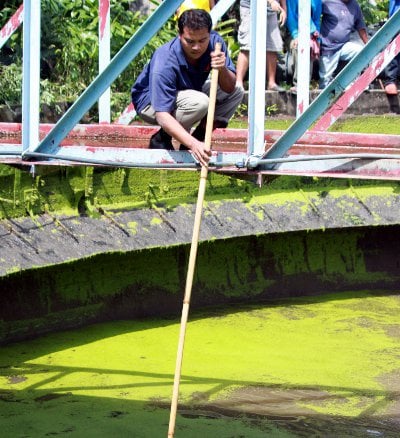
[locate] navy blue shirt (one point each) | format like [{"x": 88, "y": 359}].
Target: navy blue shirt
[
  {"x": 339, "y": 19},
  {"x": 168, "y": 72}
]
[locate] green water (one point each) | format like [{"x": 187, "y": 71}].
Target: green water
[{"x": 321, "y": 366}]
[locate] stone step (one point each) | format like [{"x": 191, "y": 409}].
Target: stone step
[{"x": 284, "y": 103}]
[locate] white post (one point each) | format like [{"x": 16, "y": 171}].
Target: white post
[
  {"x": 31, "y": 75},
  {"x": 104, "y": 58},
  {"x": 303, "y": 58},
  {"x": 256, "y": 107}
]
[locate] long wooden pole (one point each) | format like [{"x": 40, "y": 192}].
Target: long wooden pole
[{"x": 193, "y": 251}]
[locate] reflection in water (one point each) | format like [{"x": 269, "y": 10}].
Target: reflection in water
[
  {"x": 261, "y": 406},
  {"x": 323, "y": 366}
]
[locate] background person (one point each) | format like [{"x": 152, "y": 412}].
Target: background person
[
  {"x": 274, "y": 40},
  {"x": 207, "y": 5},
  {"x": 172, "y": 90},
  {"x": 339, "y": 19},
  {"x": 292, "y": 25},
  {"x": 392, "y": 71}
]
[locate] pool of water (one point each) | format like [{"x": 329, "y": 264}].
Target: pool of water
[{"x": 317, "y": 366}]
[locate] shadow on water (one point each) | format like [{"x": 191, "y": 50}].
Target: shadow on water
[
  {"x": 247, "y": 412},
  {"x": 47, "y": 408}
]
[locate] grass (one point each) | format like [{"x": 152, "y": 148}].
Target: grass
[{"x": 384, "y": 124}]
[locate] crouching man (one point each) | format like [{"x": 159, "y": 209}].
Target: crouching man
[{"x": 172, "y": 90}]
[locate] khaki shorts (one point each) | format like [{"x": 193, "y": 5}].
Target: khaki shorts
[{"x": 274, "y": 38}]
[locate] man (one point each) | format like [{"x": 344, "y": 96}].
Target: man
[
  {"x": 392, "y": 71},
  {"x": 273, "y": 40},
  {"x": 172, "y": 89},
  {"x": 339, "y": 19},
  {"x": 207, "y": 5},
  {"x": 293, "y": 27}
]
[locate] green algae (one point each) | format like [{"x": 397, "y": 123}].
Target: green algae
[
  {"x": 156, "y": 221},
  {"x": 147, "y": 282},
  {"x": 117, "y": 377},
  {"x": 83, "y": 190}
]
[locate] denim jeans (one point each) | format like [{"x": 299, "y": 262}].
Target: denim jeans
[
  {"x": 392, "y": 71},
  {"x": 328, "y": 63}
]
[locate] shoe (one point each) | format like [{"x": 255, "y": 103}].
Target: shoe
[
  {"x": 219, "y": 124},
  {"x": 161, "y": 140},
  {"x": 276, "y": 88}
]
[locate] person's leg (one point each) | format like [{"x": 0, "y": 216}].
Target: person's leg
[
  {"x": 242, "y": 67},
  {"x": 191, "y": 107},
  {"x": 159, "y": 140},
  {"x": 349, "y": 50},
  {"x": 293, "y": 52},
  {"x": 274, "y": 45},
  {"x": 225, "y": 105},
  {"x": 244, "y": 43},
  {"x": 327, "y": 67},
  {"x": 272, "y": 60},
  {"x": 392, "y": 71}
]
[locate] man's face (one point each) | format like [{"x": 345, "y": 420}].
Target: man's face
[{"x": 194, "y": 43}]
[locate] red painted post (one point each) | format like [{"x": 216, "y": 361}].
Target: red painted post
[
  {"x": 11, "y": 26},
  {"x": 358, "y": 86}
]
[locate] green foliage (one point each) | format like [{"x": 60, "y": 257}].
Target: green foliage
[
  {"x": 69, "y": 49},
  {"x": 11, "y": 84},
  {"x": 374, "y": 13}
]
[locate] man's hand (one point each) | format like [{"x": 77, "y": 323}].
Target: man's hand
[
  {"x": 218, "y": 60},
  {"x": 199, "y": 152}
]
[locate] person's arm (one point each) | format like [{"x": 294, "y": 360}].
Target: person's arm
[
  {"x": 226, "y": 77},
  {"x": 276, "y": 7},
  {"x": 316, "y": 13},
  {"x": 292, "y": 18},
  {"x": 172, "y": 127},
  {"x": 363, "y": 35},
  {"x": 212, "y": 4}
]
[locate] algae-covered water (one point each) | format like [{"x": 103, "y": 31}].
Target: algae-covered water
[{"x": 322, "y": 366}]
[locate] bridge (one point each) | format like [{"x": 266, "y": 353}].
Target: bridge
[{"x": 306, "y": 148}]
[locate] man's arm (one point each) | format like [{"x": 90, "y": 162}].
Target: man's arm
[
  {"x": 363, "y": 35},
  {"x": 172, "y": 127},
  {"x": 226, "y": 77}
]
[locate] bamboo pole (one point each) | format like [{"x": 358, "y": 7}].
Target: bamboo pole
[{"x": 193, "y": 251}]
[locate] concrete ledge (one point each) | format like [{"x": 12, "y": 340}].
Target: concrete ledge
[{"x": 284, "y": 103}]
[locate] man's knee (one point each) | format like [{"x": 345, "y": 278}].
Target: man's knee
[
  {"x": 237, "y": 95},
  {"x": 202, "y": 103}
]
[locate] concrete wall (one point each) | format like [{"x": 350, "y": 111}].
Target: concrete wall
[{"x": 370, "y": 102}]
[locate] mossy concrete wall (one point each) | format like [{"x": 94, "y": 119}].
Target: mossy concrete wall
[
  {"x": 88, "y": 244},
  {"x": 151, "y": 282}
]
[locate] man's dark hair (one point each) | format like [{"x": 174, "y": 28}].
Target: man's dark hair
[{"x": 194, "y": 19}]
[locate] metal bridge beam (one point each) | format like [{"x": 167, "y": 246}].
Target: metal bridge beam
[
  {"x": 100, "y": 84},
  {"x": 333, "y": 91}
]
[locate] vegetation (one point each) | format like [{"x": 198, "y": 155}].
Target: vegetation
[{"x": 69, "y": 47}]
